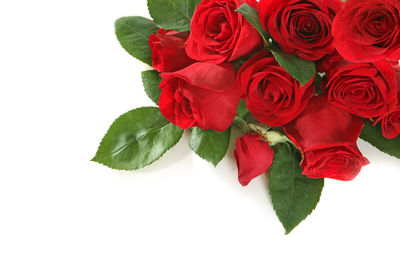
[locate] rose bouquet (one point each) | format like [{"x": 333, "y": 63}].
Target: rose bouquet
[{"x": 302, "y": 80}]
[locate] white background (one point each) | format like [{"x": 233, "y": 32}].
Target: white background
[{"x": 64, "y": 79}]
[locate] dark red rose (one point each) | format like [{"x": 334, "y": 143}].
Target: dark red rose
[
  {"x": 368, "y": 30},
  {"x": 300, "y": 27},
  {"x": 168, "y": 50},
  {"x": 202, "y": 94},
  {"x": 253, "y": 157},
  {"x": 272, "y": 95},
  {"x": 219, "y": 34},
  {"x": 364, "y": 89},
  {"x": 327, "y": 136}
]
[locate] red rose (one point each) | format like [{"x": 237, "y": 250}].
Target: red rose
[
  {"x": 300, "y": 27},
  {"x": 272, "y": 95},
  {"x": 202, "y": 94},
  {"x": 219, "y": 34},
  {"x": 253, "y": 157},
  {"x": 364, "y": 89},
  {"x": 368, "y": 30},
  {"x": 168, "y": 50},
  {"x": 391, "y": 124},
  {"x": 327, "y": 135},
  {"x": 342, "y": 162},
  {"x": 325, "y": 64}
]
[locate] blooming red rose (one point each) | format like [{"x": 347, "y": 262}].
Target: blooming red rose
[
  {"x": 202, "y": 94},
  {"x": 342, "y": 162},
  {"x": 368, "y": 30},
  {"x": 253, "y": 157},
  {"x": 272, "y": 95},
  {"x": 219, "y": 34},
  {"x": 327, "y": 135},
  {"x": 364, "y": 89},
  {"x": 300, "y": 27},
  {"x": 168, "y": 50}
]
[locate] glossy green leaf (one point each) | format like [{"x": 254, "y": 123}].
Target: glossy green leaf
[
  {"x": 294, "y": 196},
  {"x": 151, "y": 81},
  {"x": 137, "y": 139},
  {"x": 300, "y": 69},
  {"x": 252, "y": 17},
  {"x": 373, "y": 135},
  {"x": 172, "y": 14},
  {"x": 210, "y": 145},
  {"x": 133, "y": 34}
]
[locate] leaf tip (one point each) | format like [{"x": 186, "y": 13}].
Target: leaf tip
[
  {"x": 241, "y": 7},
  {"x": 288, "y": 230},
  {"x": 215, "y": 164}
]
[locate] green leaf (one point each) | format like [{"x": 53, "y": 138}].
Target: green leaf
[
  {"x": 373, "y": 135},
  {"x": 151, "y": 81},
  {"x": 137, "y": 139},
  {"x": 294, "y": 196},
  {"x": 172, "y": 14},
  {"x": 242, "y": 109},
  {"x": 240, "y": 123},
  {"x": 133, "y": 34},
  {"x": 210, "y": 145},
  {"x": 196, "y": 3},
  {"x": 300, "y": 69},
  {"x": 252, "y": 17}
]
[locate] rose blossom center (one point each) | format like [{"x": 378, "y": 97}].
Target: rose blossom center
[
  {"x": 275, "y": 90},
  {"x": 377, "y": 26},
  {"x": 306, "y": 26},
  {"x": 219, "y": 28},
  {"x": 361, "y": 91},
  {"x": 306, "y": 21}
]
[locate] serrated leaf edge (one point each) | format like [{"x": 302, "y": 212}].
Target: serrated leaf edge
[{"x": 287, "y": 231}]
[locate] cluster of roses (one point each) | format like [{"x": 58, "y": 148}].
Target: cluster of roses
[{"x": 356, "y": 46}]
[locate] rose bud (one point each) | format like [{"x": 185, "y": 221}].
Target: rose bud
[
  {"x": 272, "y": 95},
  {"x": 367, "y": 31},
  {"x": 219, "y": 33},
  {"x": 253, "y": 157},
  {"x": 168, "y": 50},
  {"x": 202, "y": 94},
  {"x": 327, "y": 136},
  {"x": 364, "y": 89},
  {"x": 300, "y": 27}
]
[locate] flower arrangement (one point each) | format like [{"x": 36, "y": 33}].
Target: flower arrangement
[{"x": 302, "y": 80}]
